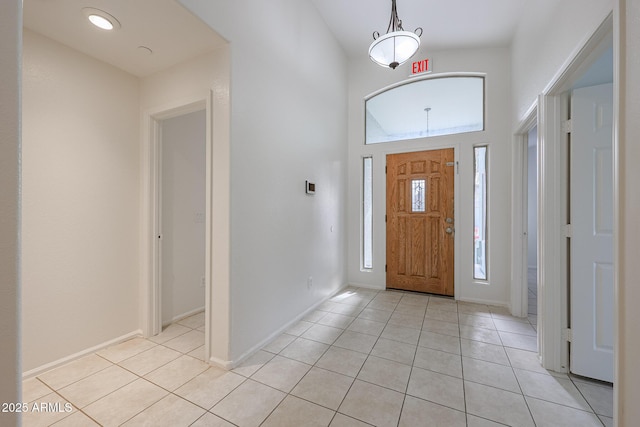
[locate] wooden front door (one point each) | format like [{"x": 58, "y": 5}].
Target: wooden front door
[{"x": 420, "y": 221}]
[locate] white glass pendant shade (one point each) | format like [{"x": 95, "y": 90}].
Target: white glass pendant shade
[{"x": 394, "y": 48}]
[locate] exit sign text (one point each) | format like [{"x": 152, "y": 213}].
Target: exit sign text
[{"x": 420, "y": 67}]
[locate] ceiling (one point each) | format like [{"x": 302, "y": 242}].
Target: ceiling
[
  {"x": 164, "y": 26},
  {"x": 175, "y": 35}
]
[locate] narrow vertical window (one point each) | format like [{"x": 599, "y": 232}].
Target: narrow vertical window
[
  {"x": 367, "y": 210},
  {"x": 418, "y": 195},
  {"x": 480, "y": 212}
]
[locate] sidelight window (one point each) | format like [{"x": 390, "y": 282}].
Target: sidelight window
[{"x": 480, "y": 235}]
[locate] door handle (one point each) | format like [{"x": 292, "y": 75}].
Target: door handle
[{"x": 449, "y": 230}]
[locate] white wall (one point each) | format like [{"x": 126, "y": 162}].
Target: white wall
[
  {"x": 183, "y": 215},
  {"x": 365, "y": 77},
  {"x": 532, "y": 200},
  {"x": 80, "y": 202},
  {"x": 627, "y": 382},
  {"x": 288, "y": 124},
  {"x": 549, "y": 32},
  {"x": 10, "y": 369}
]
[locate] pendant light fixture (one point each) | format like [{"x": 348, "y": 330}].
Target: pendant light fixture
[{"x": 397, "y": 46}]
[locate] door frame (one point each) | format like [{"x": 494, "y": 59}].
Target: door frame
[
  {"x": 552, "y": 108},
  {"x": 456, "y": 203}
]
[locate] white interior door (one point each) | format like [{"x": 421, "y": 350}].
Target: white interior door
[{"x": 592, "y": 294}]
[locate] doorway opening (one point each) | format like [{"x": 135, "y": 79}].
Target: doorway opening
[
  {"x": 181, "y": 208},
  {"x": 531, "y": 162}
]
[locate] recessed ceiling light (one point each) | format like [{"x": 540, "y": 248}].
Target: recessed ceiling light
[{"x": 101, "y": 19}]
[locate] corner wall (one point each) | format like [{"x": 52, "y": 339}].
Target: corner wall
[
  {"x": 288, "y": 125},
  {"x": 80, "y": 202},
  {"x": 10, "y": 65}
]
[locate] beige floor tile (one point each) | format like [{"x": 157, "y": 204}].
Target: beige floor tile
[
  {"x": 323, "y": 387},
  {"x": 77, "y": 419},
  {"x": 281, "y": 373},
  {"x": 341, "y": 420},
  {"x": 415, "y": 299},
  {"x": 336, "y": 320},
  {"x": 438, "y": 361},
  {"x": 438, "y": 388},
  {"x": 364, "y": 326},
  {"x": 123, "y": 404},
  {"x": 210, "y": 387},
  {"x": 515, "y": 327},
  {"x": 440, "y": 327},
  {"x": 177, "y": 372},
  {"x": 249, "y": 404},
  {"x": 96, "y": 386},
  {"x": 33, "y": 388},
  {"x": 477, "y": 321},
  {"x": 385, "y": 373},
  {"x": 401, "y": 333},
  {"x": 480, "y": 334},
  {"x": 170, "y": 411},
  {"x": 373, "y": 404},
  {"x": 551, "y": 389},
  {"x": 356, "y": 341},
  {"x": 253, "y": 363},
  {"x": 444, "y": 304},
  {"x": 547, "y": 414},
  {"x": 314, "y": 316},
  {"x": 394, "y": 350},
  {"x": 210, "y": 420},
  {"x": 193, "y": 322},
  {"x": 473, "y": 421},
  {"x": 299, "y": 328},
  {"x": 74, "y": 371},
  {"x": 607, "y": 421},
  {"x": 406, "y": 320},
  {"x": 491, "y": 374},
  {"x": 279, "y": 343},
  {"x": 294, "y": 412},
  {"x": 342, "y": 361},
  {"x": 599, "y": 397},
  {"x": 47, "y": 410},
  {"x": 375, "y": 315},
  {"x": 410, "y": 310},
  {"x": 348, "y": 310},
  {"x": 440, "y": 342},
  {"x": 186, "y": 342},
  {"x": 416, "y": 412},
  {"x": 169, "y": 333},
  {"x": 147, "y": 361},
  {"x": 322, "y": 333},
  {"x": 444, "y": 316},
  {"x": 524, "y": 359},
  {"x": 125, "y": 350},
  {"x": 484, "y": 351},
  {"x": 198, "y": 353},
  {"x": 474, "y": 308},
  {"x": 383, "y": 305},
  {"x": 304, "y": 350},
  {"x": 497, "y": 405}
]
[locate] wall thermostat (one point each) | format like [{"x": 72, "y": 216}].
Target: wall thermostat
[{"x": 310, "y": 187}]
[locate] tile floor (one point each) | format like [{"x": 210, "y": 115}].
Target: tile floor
[{"x": 363, "y": 358}]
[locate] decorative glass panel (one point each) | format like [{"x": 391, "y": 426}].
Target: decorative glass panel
[
  {"x": 424, "y": 108},
  {"x": 367, "y": 209},
  {"x": 418, "y": 188},
  {"x": 480, "y": 213}
]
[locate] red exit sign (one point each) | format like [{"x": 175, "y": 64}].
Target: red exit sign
[{"x": 419, "y": 67}]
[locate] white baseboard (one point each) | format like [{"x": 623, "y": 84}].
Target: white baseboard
[
  {"x": 486, "y": 302},
  {"x": 231, "y": 364},
  {"x": 52, "y": 365},
  {"x": 367, "y": 286},
  {"x": 179, "y": 317}
]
